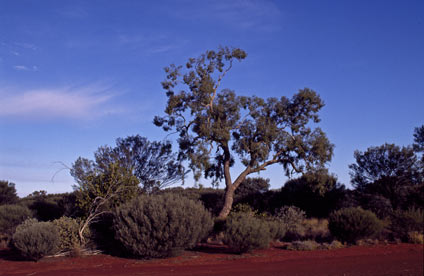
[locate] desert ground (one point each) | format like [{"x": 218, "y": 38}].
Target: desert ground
[{"x": 392, "y": 259}]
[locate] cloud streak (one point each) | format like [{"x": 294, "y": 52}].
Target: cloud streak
[
  {"x": 259, "y": 15},
  {"x": 76, "y": 103},
  {"x": 25, "y": 68}
]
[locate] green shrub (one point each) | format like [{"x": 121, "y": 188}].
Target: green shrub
[
  {"x": 11, "y": 216},
  {"x": 403, "y": 222},
  {"x": 354, "y": 223},
  {"x": 36, "y": 239},
  {"x": 277, "y": 229},
  {"x": 292, "y": 217},
  {"x": 243, "y": 208},
  {"x": 68, "y": 230},
  {"x": 244, "y": 232},
  {"x": 161, "y": 225}
]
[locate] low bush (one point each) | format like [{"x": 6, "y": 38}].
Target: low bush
[
  {"x": 36, "y": 239},
  {"x": 334, "y": 245},
  {"x": 244, "y": 232},
  {"x": 304, "y": 245},
  {"x": 403, "y": 222},
  {"x": 354, "y": 223},
  {"x": 367, "y": 242},
  {"x": 415, "y": 237},
  {"x": 308, "y": 245},
  {"x": 10, "y": 217},
  {"x": 292, "y": 217},
  {"x": 277, "y": 229},
  {"x": 316, "y": 229},
  {"x": 161, "y": 225},
  {"x": 68, "y": 230}
]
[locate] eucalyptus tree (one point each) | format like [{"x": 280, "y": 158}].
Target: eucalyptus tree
[{"x": 217, "y": 127}]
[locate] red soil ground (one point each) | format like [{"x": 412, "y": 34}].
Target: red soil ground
[{"x": 400, "y": 259}]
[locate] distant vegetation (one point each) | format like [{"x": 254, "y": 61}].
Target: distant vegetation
[{"x": 123, "y": 204}]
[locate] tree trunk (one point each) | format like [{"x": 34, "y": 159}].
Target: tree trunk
[
  {"x": 228, "y": 202},
  {"x": 230, "y": 189}
]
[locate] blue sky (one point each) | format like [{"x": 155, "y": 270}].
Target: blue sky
[{"x": 75, "y": 75}]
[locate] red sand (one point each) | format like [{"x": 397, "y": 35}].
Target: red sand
[{"x": 401, "y": 259}]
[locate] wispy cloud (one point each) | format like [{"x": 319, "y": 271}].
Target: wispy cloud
[
  {"x": 26, "y": 45},
  {"x": 152, "y": 44},
  {"x": 260, "y": 15},
  {"x": 16, "y": 49},
  {"x": 25, "y": 68},
  {"x": 68, "y": 102}
]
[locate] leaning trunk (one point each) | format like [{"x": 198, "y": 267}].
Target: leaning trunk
[{"x": 228, "y": 202}]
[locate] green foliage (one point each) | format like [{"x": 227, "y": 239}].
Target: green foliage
[
  {"x": 7, "y": 193},
  {"x": 67, "y": 229},
  {"x": 403, "y": 222},
  {"x": 11, "y": 216},
  {"x": 419, "y": 139},
  {"x": 110, "y": 185},
  {"x": 211, "y": 198},
  {"x": 292, "y": 218},
  {"x": 244, "y": 232},
  {"x": 277, "y": 229},
  {"x": 388, "y": 171},
  {"x": 252, "y": 186},
  {"x": 47, "y": 207},
  {"x": 353, "y": 224},
  {"x": 159, "y": 225},
  {"x": 243, "y": 208},
  {"x": 36, "y": 239},
  {"x": 317, "y": 193},
  {"x": 215, "y": 127}
]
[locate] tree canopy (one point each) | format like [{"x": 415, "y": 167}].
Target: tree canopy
[
  {"x": 217, "y": 128},
  {"x": 388, "y": 171},
  {"x": 7, "y": 192},
  {"x": 419, "y": 139},
  {"x": 153, "y": 164},
  {"x": 384, "y": 162}
]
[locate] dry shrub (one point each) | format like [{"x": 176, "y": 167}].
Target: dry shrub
[
  {"x": 68, "y": 229},
  {"x": 415, "y": 237},
  {"x": 292, "y": 218},
  {"x": 304, "y": 245},
  {"x": 403, "y": 222},
  {"x": 35, "y": 240},
  {"x": 10, "y": 217},
  {"x": 316, "y": 229},
  {"x": 161, "y": 225},
  {"x": 244, "y": 232},
  {"x": 353, "y": 224}
]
